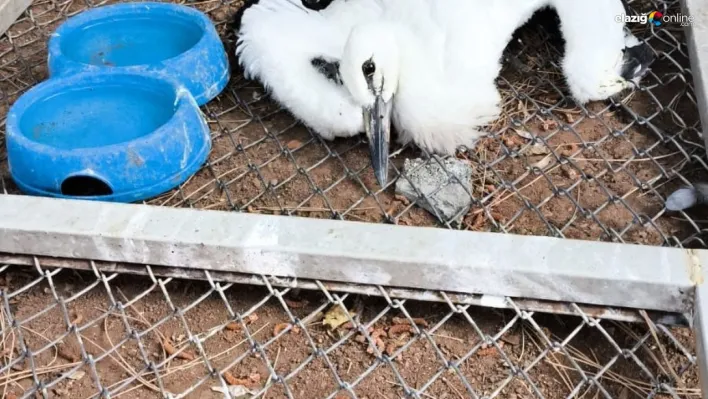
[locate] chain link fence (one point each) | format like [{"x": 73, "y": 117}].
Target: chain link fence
[
  {"x": 87, "y": 334},
  {"x": 547, "y": 167}
]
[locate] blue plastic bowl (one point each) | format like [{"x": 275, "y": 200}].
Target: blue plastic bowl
[
  {"x": 172, "y": 40},
  {"x": 117, "y": 136}
]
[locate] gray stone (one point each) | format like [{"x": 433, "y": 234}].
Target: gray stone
[{"x": 433, "y": 178}]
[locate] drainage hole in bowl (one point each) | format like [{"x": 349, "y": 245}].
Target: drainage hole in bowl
[{"x": 84, "y": 186}]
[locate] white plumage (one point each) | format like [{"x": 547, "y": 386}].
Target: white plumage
[
  {"x": 602, "y": 58},
  {"x": 439, "y": 64},
  {"x": 277, "y": 42},
  {"x": 425, "y": 65}
]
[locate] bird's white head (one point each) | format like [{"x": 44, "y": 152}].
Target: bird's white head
[
  {"x": 370, "y": 63},
  {"x": 369, "y": 68}
]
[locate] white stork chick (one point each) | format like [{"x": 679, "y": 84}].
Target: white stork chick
[
  {"x": 293, "y": 52},
  {"x": 443, "y": 78},
  {"x": 428, "y": 69},
  {"x": 602, "y": 57},
  {"x": 420, "y": 64},
  {"x": 424, "y": 65}
]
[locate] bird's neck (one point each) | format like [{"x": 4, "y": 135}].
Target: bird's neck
[{"x": 428, "y": 78}]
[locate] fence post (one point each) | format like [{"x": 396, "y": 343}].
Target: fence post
[{"x": 697, "y": 42}]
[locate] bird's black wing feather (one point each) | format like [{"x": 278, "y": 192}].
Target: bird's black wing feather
[
  {"x": 316, "y": 5},
  {"x": 330, "y": 69},
  {"x": 637, "y": 60}
]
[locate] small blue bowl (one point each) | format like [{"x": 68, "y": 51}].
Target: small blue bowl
[
  {"x": 118, "y": 136},
  {"x": 175, "y": 41}
]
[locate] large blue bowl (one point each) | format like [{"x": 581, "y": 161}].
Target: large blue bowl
[
  {"x": 117, "y": 136},
  {"x": 172, "y": 40}
]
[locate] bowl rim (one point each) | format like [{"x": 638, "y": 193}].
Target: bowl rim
[
  {"x": 54, "y": 49},
  {"x": 183, "y": 100}
]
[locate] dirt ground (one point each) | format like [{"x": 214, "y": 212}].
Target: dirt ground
[
  {"x": 601, "y": 173},
  {"x": 153, "y": 319}
]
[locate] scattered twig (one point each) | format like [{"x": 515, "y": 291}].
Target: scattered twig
[
  {"x": 122, "y": 363},
  {"x": 561, "y": 372},
  {"x": 269, "y": 383},
  {"x": 453, "y": 388},
  {"x": 662, "y": 349},
  {"x": 419, "y": 321},
  {"x": 188, "y": 365}
]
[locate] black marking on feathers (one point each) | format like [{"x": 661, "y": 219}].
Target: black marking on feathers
[
  {"x": 329, "y": 69},
  {"x": 636, "y": 61},
  {"x": 316, "y": 5}
]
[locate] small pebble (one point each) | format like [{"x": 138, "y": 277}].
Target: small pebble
[
  {"x": 569, "y": 172},
  {"x": 293, "y": 144},
  {"x": 219, "y": 15}
]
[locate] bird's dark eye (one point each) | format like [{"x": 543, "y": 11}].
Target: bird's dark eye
[{"x": 368, "y": 68}]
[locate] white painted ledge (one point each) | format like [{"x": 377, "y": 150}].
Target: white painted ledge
[{"x": 655, "y": 278}]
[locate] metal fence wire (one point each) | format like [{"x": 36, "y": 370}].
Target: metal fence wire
[
  {"x": 91, "y": 334},
  {"x": 548, "y": 167}
]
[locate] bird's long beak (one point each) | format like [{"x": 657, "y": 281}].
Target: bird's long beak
[{"x": 378, "y": 131}]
